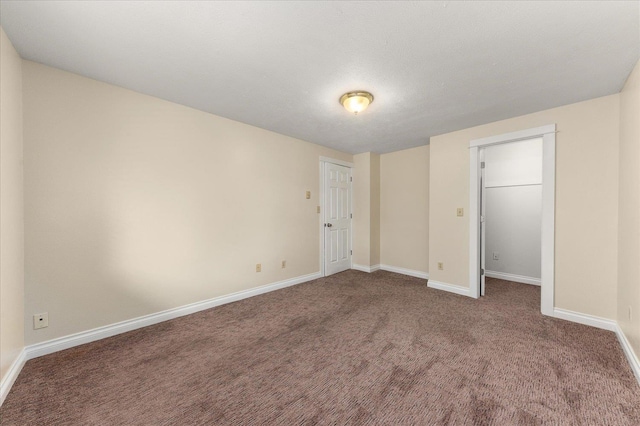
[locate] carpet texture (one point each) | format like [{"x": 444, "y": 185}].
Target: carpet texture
[{"x": 353, "y": 348}]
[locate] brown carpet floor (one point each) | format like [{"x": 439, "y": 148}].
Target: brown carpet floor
[{"x": 353, "y": 348}]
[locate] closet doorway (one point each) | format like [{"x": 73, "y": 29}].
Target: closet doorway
[
  {"x": 517, "y": 169},
  {"x": 511, "y": 206}
]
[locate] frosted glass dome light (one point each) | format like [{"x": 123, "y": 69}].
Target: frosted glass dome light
[{"x": 356, "y": 102}]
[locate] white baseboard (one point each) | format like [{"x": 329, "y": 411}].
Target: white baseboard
[
  {"x": 463, "y": 291},
  {"x": 365, "y": 268},
  {"x": 629, "y": 353},
  {"x": 397, "y": 270},
  {"x": 12, "y": 374},
  {"x": 66, "y": 342},
  {"x": 593, "y": 321},
  {"x": 404, "y": 271},
  {"x": 513, "y": 277},
  {"x": 51, "y": 346}
]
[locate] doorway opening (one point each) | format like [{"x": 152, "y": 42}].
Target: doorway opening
[
  {"x": 336, "y": 201},
  {"x": 543, "y": 140},
  {"x": 511, "y": 207}
]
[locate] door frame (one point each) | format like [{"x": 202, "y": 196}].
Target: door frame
[
  {"x": 321, "y": 198},
  {"x": 482, "y": 202},
  {"x": 547, "y": 277}
]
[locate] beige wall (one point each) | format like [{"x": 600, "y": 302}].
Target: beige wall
[
  {"x": 135, "y": 205},
  {"x": 366, "y": 209},
  {"x": 629, "y": 211},
  {"x": 586, "y": 202},
  {"x": 404, "y": 209},
  {"x": 11, "y": 207},
  {"x": 375, "y": 210},
  {"x": 362, "y": 209}
]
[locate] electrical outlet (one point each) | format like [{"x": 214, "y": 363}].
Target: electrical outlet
[
  {"x": 460, "y": 211},
  {"x": 258, "y": 267},
  {"x": 41, "y": 320},
  {"x": 308, "y": 195},
  {"x": 318, "y": 209},
  {"x": 284, "y": 264},
  {"x": 496, "y": 255},
  {"x": 440, "y": 266}
]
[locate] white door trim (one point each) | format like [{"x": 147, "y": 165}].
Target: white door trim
[
  {"x": 548, "y": 135},
  {"x": 536, "y": 132},
  {"x": 323, "y": 161},
  {"x": 321, "y": 215},
  {"x": 334, "y": 161}
]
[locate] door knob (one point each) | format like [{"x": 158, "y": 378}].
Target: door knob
[{"x": 329, "y": 225}]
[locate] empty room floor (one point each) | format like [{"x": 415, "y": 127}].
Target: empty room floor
[{"x": 352, "y": 348}]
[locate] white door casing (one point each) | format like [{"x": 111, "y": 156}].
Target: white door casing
[
  {"x": 483, "y": 230},
  {"x": 337, "y": 218},
  {"x": 547, "y": 280}
]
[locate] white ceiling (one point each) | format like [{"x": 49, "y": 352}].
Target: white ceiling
[{"x": 433, "y": 67}]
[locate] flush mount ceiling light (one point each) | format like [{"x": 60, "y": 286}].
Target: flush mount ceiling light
[{"x": 356, "y": 102}]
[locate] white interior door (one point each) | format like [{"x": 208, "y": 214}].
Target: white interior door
[
  {"x": 482, "y": 223},
  {"x": 337, "y": 218}
]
